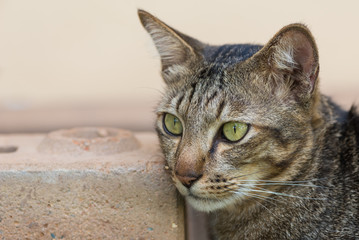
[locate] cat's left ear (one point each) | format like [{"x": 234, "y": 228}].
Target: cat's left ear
[
  {"x": 177, "y": 50},
  {"x": 292, "y": 55}
]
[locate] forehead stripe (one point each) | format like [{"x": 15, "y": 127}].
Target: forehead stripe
[
  {"x": 193, "y": 90},
  {"x": 220, "y": 108},
  {"x": 179, "y": 101},
  {"x": 211, "y": 98}
]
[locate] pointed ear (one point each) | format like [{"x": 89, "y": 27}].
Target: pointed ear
[
  {"x": 175, "y": 48},
  {"x": 293, "y": 55}
]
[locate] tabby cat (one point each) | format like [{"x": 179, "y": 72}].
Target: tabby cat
[{"x": 249, "y": 138}]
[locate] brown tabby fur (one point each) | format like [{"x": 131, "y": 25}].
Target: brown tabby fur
[{"x": 295, "y": 174}]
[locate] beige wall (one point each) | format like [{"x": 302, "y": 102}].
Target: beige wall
[{"x": 80, "y": 51}]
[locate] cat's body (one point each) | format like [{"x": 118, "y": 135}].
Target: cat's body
[{"x": 250, "y": 139}]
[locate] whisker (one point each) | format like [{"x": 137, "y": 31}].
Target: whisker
[
  {"x": 256, "y": 196},
  {"x": 274, "y": 181},
  {"x": 250, "y": 195},
  {"x": 304, "y": 183},
  {"x": 267, "y": 197},
  {"x": 282, "y": 184},
  {"x": 286, "y": 195},
  {"x": 264, "y": 198}
]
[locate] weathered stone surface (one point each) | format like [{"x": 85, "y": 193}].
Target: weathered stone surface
[{"x": 126, "y": 195}]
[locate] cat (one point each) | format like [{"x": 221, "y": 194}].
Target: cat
[{"x": 249, "y": 138}]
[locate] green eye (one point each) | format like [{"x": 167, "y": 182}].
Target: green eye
[
  {"x": 234, "y": 131},
  {"x": 172, "y": 124}
]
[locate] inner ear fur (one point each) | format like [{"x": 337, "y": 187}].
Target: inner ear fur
[
  {"x": 175, "y": 48},
  {"x": 293, "y": 52}
]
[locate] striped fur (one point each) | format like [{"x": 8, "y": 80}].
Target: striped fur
[{"x": 295, "y": 174}]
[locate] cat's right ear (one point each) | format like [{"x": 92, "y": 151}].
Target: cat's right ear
[{"x": 176, "y": 49}]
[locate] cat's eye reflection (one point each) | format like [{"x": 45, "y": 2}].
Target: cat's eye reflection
[
  {"x": 172, "y": 124},
  {"x": 234, "y": 131}
]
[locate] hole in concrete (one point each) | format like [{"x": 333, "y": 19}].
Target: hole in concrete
[
  {"x": 90, "y": 133},
  {"x": 99, "y": 141},
  {"x": 8, "y": 149}
]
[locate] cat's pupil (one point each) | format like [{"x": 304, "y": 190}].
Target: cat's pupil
[
  {"x": 175, "y": 120},
  {"x": 234, "y": 129}
]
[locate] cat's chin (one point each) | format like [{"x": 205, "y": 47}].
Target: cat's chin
[{"x": 210, "y": 205}]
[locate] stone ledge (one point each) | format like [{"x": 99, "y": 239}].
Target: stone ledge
[{"x": 48, "y": 195}]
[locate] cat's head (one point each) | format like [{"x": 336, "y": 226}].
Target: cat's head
[{"x": 234, "y": 117}]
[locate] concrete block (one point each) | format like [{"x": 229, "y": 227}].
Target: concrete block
[{"x": 86, "y": 183}]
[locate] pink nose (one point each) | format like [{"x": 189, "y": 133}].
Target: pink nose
[{"x": 188, "y": 180}]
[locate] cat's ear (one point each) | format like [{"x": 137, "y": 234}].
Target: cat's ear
[
  {"x": 292, "y": 55},
  {"x": 176, "y": 49}
]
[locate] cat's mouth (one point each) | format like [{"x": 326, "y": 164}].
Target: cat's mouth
[{"x": 201, "y": 199}]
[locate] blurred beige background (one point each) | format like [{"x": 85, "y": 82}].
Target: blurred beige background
[{"x": 80, "y": 62}]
